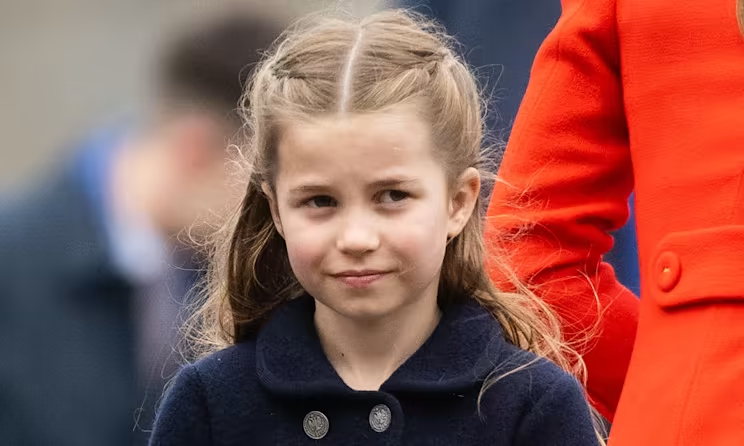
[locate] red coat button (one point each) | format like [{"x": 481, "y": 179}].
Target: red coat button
[{"x": 668, "y": 271}]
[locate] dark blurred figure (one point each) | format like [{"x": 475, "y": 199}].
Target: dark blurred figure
[
  {"x": 500, "y": 39},
  {"x": 91, "y": 276}
]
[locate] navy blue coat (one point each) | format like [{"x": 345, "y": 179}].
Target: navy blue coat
[{"x": 260, "y": 391}]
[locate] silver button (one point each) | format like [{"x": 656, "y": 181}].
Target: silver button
[
  {"x": 315, "y": 425},
  {"x": 379, "y": 418}
]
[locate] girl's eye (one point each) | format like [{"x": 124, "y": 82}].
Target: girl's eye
[
  {"x": 321, "y": 201},
  {"x": 393, "y": 196}
]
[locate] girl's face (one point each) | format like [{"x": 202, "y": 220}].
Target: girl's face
[{"x": 366, "y": 211}]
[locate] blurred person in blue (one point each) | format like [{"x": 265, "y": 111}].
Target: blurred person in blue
[{"x": 92, "y": 275}]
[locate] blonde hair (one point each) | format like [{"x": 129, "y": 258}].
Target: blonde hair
[{"x": 326, "y": 66}]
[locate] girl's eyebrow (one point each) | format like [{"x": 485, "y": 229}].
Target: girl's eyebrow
[
  {"x": 309, "y": 189},
  {"x": 391, "y": 182}
]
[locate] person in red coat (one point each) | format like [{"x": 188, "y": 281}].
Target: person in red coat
[{"x": 644, "y": 96}]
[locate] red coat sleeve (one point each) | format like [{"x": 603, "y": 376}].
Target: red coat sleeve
[{"x": 563, "y": 186}]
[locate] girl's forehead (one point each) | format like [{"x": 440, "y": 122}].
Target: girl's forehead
[
  {"x": 399, "y": 126},
  {"x": 356, "y": 147}
]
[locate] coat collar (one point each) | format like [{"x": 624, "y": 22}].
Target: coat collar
[{"x": 459, "y": 354}]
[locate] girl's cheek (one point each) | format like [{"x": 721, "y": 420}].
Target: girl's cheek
[{"x": 304, "y": 252}]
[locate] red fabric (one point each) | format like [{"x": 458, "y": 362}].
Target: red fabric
[{"x": 644, "y": 95}]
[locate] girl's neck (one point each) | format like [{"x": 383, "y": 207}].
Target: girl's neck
[{"x": 366, "y": 353}]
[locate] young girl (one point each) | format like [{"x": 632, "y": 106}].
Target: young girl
[{"x": 352, "y": 290}]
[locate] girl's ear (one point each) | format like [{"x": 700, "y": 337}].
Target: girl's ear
[
  {"x": 274, "y": 209},
  {"x": 462, "y": 201}
]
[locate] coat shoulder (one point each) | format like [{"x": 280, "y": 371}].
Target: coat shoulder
[
  {"x": 523, "y": 378},
  {"x": 225, "y": 370},
  {"x": 538, "y": 402}
]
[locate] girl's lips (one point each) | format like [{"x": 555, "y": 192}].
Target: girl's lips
[{"x": 359, "y": 279}]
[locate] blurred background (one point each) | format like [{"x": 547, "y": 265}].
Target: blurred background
[
  {"x": 68, "y": 65},
  {"x": 114, "y": 117}
]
